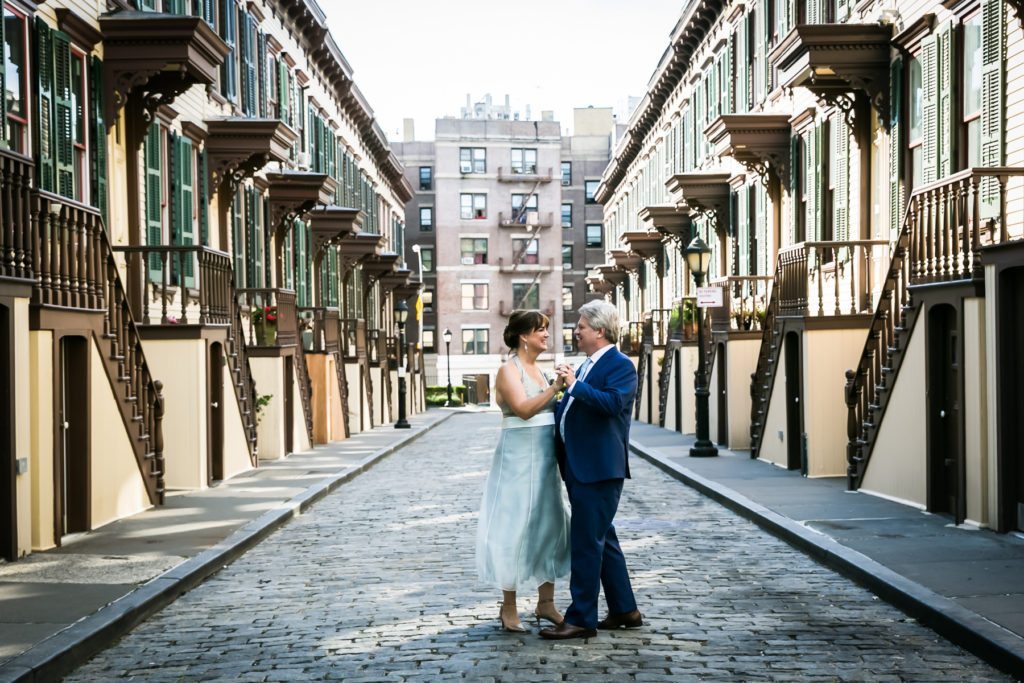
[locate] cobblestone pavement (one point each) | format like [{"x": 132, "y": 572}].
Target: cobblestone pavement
[{"x": 377, "y": 583}]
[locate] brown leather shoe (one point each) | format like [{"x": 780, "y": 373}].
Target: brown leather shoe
[
  {"x": 565, "y": 630},
  {"x": 626, "y": 620}
]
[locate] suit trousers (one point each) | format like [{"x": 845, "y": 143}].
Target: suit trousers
[{"x": 597, "y": 559}]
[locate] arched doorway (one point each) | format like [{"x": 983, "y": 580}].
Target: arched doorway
[
  {"x": 72, "y": 437},
  {"x": 945, "y": 449},
  {"x": 215, "y": 414},
  {"x": 794, "y": 403}
]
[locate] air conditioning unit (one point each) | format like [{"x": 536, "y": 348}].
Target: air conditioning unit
[
  {"x": 465, "y": 166},
  {"x": 532, "y": 218},
  {"x": 467, "y": 260}
]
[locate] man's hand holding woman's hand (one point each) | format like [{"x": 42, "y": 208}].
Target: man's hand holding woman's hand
[{"x": 566, "y": 374}]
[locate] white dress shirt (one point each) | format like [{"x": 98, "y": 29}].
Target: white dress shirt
[{"x": 585, "y": 367}]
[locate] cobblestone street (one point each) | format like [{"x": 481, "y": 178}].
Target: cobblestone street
[{"x": 377, "y": 582}]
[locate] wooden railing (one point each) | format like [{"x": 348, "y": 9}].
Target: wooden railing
[
  {"x": 272, "y": 316},
  {"x": 945, "y": 225},
  {"x": 192, "y": 283},
  {"x": 745, "y": 298},
  {"x": 75, "y": 268},
  {"x": 353, "y": 338},
  {"x": 242, "y": 379},
  {"x": 829, "y": 278},
  {"x": 17, "y": 239},
  {"x": 763, "y": 378}
]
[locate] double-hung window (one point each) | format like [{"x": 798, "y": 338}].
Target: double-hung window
[
  {"x": 590, "y": 190},
  {"x": 527, "y": 247},
  {"x": 567, "y": 215},
  {"x": 15, "y": 44},
  {"x": 593, "y": 235},
  {"x": 526, "y": 295},
  {"x": 472, "y": 206},
  {"x": 566, "y": 173},
  {"x": 524, "y": 161},
  {"x": 426, "y": 218},
  {"x": 474, "y": 340},
  {"x": 472, "y": 160},
  {"x": 426, "y": 177},
  {"x": 473, "y": 250},
  {"x": 474, "y": 296}
]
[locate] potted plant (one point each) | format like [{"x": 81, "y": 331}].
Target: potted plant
[
  {"x": 675, "y": 324},
  {"x": 761, "y": 316},
  {"x": 689, "y": 314},
  {"x": 264, "y": 322}
]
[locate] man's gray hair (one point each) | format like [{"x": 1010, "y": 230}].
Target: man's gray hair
[{"x": 601, "y": 315}]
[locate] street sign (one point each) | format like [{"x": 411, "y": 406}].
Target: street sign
[{"x": 709, "y": 297}]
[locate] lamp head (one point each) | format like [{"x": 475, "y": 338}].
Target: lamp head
[
  {"x": 447, "y": 336},
  {"x": 698, "y": 256},
  {"x": 401, "y": 312}
]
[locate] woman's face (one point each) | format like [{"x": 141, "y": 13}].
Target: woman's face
[{"x": 537, "y": 340}]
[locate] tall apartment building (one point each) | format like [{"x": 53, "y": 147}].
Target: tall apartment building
[{"x": 503, "y": 217}]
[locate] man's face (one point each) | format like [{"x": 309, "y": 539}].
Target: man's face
[{"x": 587, "y": 338}]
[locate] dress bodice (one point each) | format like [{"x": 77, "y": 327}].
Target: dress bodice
[{"x": 530, "y": 386}]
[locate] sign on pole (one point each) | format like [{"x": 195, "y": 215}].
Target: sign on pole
[{"x": 709, "y": 297}]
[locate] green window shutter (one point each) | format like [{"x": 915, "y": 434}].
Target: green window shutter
[
  {"x": 175, "y": 7},
  {"x": 993, "y": 55},
  {"x": 929, "y": 108},
  {"x": 202, "y": 183},
  {"x": 267, "y": 257},
  {"x": 743, "y": 231},
  {"x": 759, "y": 223},
  {"x": 895, "y": 149},
  {"x": 814, "y": 11},
  {"x": 810, "y": 184},
  {"x": 63, "y": 115},
  {"x": 154, "y": 199},
  {"x": 284, "y": 90},
  {"x": 742, "y": 72},
  {"x": 206, "y": 7},
  {"x": 840, "y": 151},
  {"x": 147, "y": 5},
  {"x": 727, "y": 80},
  {"x": 759, "y": 19},
  {"x": 98, "y": 146},
  {"x": 794, "y": 185},
  {"x": 187, "y": 204},
  {"x": 238, "y": 241},
  {"x": 248, "y": 63},
  {"x": 947, "y": 102},
  {"x": 333, "y": 275},
  {"x": 261, "y": 71},
  {"x": 229, "y": 33},
  {"x": 46, "y": 154}
]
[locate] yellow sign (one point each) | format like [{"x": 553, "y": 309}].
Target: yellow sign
[{"x": 419, "y": 307}]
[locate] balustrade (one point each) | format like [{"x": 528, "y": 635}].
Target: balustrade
[
  {"x": 829, "y": 278},
  {"x": 16, "y": 233},
  {"x": 192, "y": 284},
  {"x": 272, "y": 316}
]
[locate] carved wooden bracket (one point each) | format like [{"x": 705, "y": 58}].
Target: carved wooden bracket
[
  {"x": 238, "y": 147},
  {"x": 291, "y": 194},
  {"x": 760, "y": 142},
  {"x": 707, "y": 194},
  {"x": 670, "y": 220}
]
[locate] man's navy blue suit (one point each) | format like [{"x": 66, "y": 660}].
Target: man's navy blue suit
[{"x": 592, "y": 457}]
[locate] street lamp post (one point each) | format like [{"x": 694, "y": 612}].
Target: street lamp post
[
  {"x": 447, "y": 336},
  {"x": 401, "y": 315},
  {"x": 698, "y": 258}
]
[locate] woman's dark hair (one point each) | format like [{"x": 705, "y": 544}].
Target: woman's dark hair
[{"x": 523, "y": 322}]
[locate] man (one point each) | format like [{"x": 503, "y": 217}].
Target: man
[{"x": 591, "y": 445}]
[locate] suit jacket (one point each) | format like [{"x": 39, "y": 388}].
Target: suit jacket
[{"x": 596, "y": 443}]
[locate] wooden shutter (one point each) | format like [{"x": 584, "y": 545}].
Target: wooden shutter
[
  {"x": 929, "y": 108},
  {"x": 46, "y": 168},
  {"x": 759, "y": 224},
  {"x": 840, "y": 155},
  {"x": 206, "y": 7},
  {"x": 760, "y": 18},
  {"x": 261, "y": 71},
  {"x": 203, "y": 187},
  {"x": 154, "y": 199},
  {"x": 727, "y": 79},
  {"x": 742, "y": 72},
  {"x": 947, "y": 102},
  {"x": 98, "y": 133},
  {"x": 229, "y": 32},
  {"x": 248, "y": 63},
  {"x": 284, "y": 90},
  {"x": 186, "y": 204},
  {"x": 811, "y": 184},
  {"x": 253, "y": 250},
  {"x": 895, "y": 149},
  {"x": 175, "y": 6},
  {"x": 993, "y": 55},
  {"x": 795, "y": 186},
  {"x": 238, "y": 241},
  {"x": 743, "y": 230},
  {"x": 63, "y": 113}
]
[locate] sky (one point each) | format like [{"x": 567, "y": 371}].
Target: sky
[{"x": 420, "y": 58}]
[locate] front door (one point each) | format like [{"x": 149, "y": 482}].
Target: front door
[
  {"x": 794, "y": 404},
  {"x": 723, "y": 398},
  {"x": 216, "y": 413},
  {"x": 1011, "y": 397},
  {"x": 945, "y": 454},
  {"x": 8, "y": 499},
  {"x": 72, "y": 500},
  {"x": 289, "y": 411}
]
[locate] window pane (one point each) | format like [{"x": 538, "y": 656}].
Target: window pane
[
  {"x": 594, "y": 235},
  {"x": 972, "y": 66},
  {"x": 568, "y": 340},
  {"x": 525, "y": 295},
  {"x": 916, "y": 99},
  {"x": 566, "y": 215},
  {"x": 427, "y": 257},
  {"x": 566, "y": 173},
  {"x": 567, "y": 256},
  {"x": 566, "y": 299},
  {"x": 591, "y": 189},
  {"x": 428, "y": 340},
  {"x": 426, "y": 217}
]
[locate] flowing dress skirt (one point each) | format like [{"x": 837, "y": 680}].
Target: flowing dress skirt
[{"x": 523, "y": 533}]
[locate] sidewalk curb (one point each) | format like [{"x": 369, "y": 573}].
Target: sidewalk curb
[
  {"x": 989, "y": 641},
  {"x": 64, "y": 651}
]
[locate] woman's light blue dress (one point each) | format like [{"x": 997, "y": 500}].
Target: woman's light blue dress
[{"x": 523, "y": 535}]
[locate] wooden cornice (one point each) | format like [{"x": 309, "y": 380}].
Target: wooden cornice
[
  {"x": 669, "y": 220},
  {"x": 152, "y": 58},
  {"x": 627, "y": 261},
  {"x": 647, "y": 244},
  {"x": 706, "y": 194},
  {"x": 81, "y": 32},
  {"x": 376, "y": 267},
  {"x": 761, "y": 142},
  {"x": 397, "y": 279},
  {"x": 612, "y": 274},
  {"x": 239, "y": 146},
  {"x": 329, "y": 224}
]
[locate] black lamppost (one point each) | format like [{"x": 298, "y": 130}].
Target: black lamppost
[
  {"x": 698, "y": 258},
  {"x": 447, "y": 336},
  {"x": 401, "y": 315}
]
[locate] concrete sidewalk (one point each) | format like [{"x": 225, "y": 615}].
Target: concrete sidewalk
[
  {"x": 967, "y": 584},
  {"x": 59, "y": 607}
]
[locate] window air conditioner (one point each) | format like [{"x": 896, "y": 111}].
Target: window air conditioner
[
  {"x": 467, "y": 260},
  {"x": 466, "y": 167}
]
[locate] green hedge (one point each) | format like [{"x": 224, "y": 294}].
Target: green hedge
[{"x": 437, "y": 395}]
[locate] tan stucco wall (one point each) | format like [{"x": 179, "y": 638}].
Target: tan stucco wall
[
  {"x": 742, "y": 360},
  {"x": 975, "y": 412},
  {"x": 236, "y": 450},
  {"x": 40, "y": 451},
  {"x": 327, "y": 424},
  {"x": 689, "y": 358},
  {"x": 377, "y": 383},
  {"x": 827, "y": 354},
  {"x": 22, "y": 422},
  {"x": 713, "y": 375},
  {"x": 300, "y": 438},
  {"x": 356, "y": 399},
  {"x": 181, "y": 365},
  {"x": 773, "y": 447},
  {"x": 670, "y": 404},
  {"x": 898, "y": 466},
  {"x": 268, "y": 374},
  {"x": 117, "y": 487},
  {"x": 991, "y": 388}
]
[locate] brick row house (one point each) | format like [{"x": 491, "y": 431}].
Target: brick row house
[
  {"x": 857, "y": 171},
  {"x": 200, "y": 254}
]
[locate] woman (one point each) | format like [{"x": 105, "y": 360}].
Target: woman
[{"x": 523, "y": 536}]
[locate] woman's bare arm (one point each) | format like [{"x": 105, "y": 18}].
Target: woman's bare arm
[{"x": 510, "y": 386}]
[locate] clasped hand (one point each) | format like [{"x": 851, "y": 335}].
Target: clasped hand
[{"x": 565, "y": 375}]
